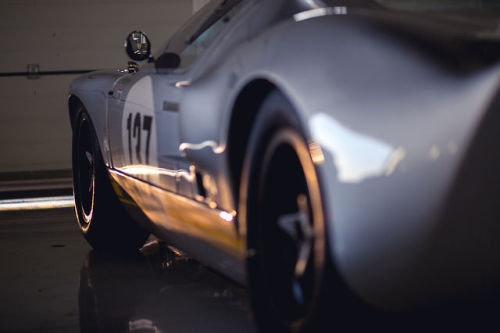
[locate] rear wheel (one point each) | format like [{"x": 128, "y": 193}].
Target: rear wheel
[
  {"x": 100, "y": 216},
  {"x": 280, "y": 198}
]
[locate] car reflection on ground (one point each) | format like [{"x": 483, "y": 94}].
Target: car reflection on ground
[
  {"x": 158, "y": 291},
  {"x": 161, "y": 290}
]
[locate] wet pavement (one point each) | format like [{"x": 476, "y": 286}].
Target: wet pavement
[{"x": 51, "y": 281}]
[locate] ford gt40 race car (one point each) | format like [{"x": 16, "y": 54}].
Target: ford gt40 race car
[{"x": 305, "y": 148}]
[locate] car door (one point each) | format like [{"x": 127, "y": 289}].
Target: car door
[{"x": 143, "y": 109}]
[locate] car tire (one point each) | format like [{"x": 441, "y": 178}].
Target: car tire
[
  {"x": 101, "y": 217},
  {"x": 281, "y": 205}
]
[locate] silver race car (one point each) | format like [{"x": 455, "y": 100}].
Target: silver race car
[{"x": 305, "y": 148}]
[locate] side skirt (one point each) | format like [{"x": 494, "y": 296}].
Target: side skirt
[{"x": 206, "y": 234}]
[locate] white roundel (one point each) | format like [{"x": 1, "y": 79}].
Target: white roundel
[{"x": 138, "y": 125}]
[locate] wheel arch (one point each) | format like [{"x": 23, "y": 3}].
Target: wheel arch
[
  {"x": 244, "y": 112},
  {"x": 74, "y": 104},
  {"x": 92, "y": 103}
]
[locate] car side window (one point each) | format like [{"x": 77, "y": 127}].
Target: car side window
[
  {"x": 201, "y": 43},
  {"x": 194, "y": 39}
]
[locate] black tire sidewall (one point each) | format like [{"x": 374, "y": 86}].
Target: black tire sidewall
[
  {"x": 276, "y": 114},
  {"x": 110, "y": 229}
]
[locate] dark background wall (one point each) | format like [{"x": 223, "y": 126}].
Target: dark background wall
[{"x": 64, "y": 35}]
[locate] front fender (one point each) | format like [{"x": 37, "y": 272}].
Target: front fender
[{"x": 92, "y": 91}]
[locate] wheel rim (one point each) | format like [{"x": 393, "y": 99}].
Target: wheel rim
[
  {"x": 85, "y": 172},
  {"x": 290, "y": 219}
]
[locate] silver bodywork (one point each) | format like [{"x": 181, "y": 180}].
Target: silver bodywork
[{"x": 395, "y": 135}]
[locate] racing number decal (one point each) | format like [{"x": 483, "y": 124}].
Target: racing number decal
[
  {"x": 146, "y": 126},
  {"x": 138, "y": 128},
  {"x": 134, "y": 131}
]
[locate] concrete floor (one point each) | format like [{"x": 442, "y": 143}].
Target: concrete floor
[{"x": 51, "y": 281}]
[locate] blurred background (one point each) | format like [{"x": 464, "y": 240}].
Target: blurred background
[{"x": 45, "y": 45}]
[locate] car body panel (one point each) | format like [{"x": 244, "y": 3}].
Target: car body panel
[
  {"x": 204, "y": 233},
  {"x": 92, "y": 91},
  {"x": 391, "y": 125},
  {"x": 156, "y": 158},
  {"x": 391, "y": 154}
]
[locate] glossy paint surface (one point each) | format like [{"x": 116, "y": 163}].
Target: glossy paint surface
[
  {"x": 394, "y": 115},
  {"x": 204, "y": 233}
]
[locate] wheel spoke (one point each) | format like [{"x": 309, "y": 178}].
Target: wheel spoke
[
  {"x": 307, "y": 233},
  {"x": 298, "y": 293},
  {"x": 90, "y": 173},
  {"x": 90, "y": 158},
  {"x": 288, "y": 224},
  {"x": 298, "y": 227}
]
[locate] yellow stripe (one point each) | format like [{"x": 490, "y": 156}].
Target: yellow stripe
[{"x": 128, "y": 202}]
